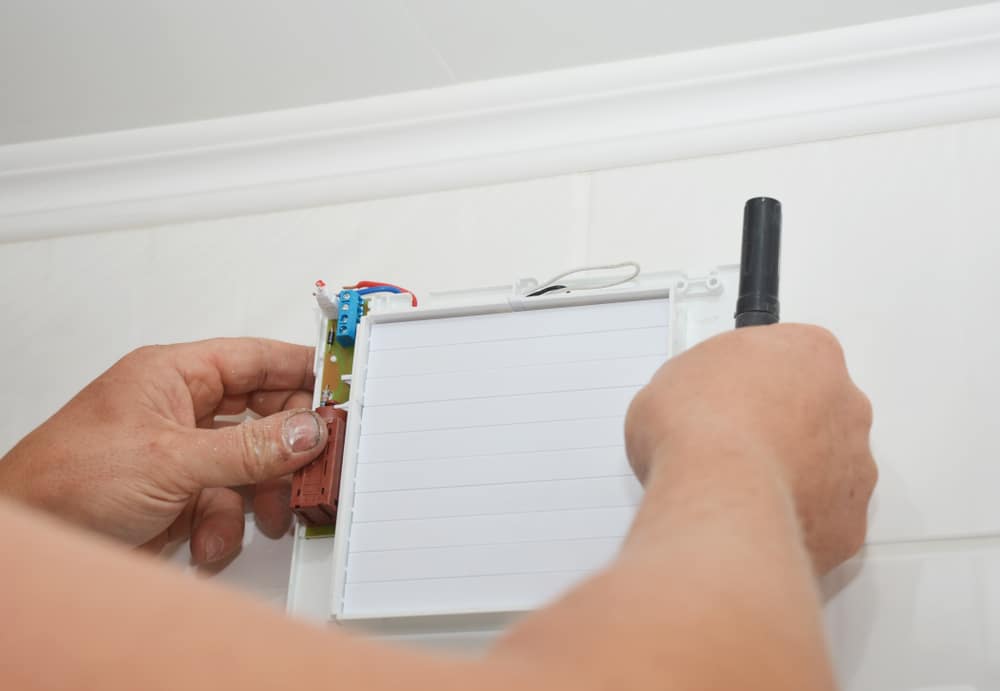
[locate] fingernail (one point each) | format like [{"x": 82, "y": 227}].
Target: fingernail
[
  {"x": 301, "y": 432},
  {"x": 213, "y": 548}
]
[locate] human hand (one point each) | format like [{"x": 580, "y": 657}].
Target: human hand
[
  {"x": 780, "y": 393},
  {"x": 135, "y": 456}
]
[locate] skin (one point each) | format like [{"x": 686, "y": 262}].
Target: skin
[
  {"x": 135, "y": 456},
  {"x": 757, "y": 480}
]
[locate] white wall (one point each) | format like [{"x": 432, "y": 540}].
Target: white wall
[{"x": 891, "y": 240}]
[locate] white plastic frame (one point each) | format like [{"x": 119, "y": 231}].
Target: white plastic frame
[{"x": 701, "y": 304}]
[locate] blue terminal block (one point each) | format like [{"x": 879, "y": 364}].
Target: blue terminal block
[{"x": 349, "y": 311}]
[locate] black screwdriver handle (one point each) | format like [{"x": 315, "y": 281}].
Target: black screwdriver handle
[{"x": 760, "y": 261}]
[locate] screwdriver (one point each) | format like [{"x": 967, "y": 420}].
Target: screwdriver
[{"x": 760, "y": 261}]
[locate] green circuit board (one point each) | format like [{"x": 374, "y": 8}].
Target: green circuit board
[{"x": 338, "y": 360}]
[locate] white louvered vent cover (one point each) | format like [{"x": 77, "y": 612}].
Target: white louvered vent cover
[{"x": 491, "y": 472}]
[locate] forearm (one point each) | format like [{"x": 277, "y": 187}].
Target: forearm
[
  {"x": 82, "y": 613},
  {"x": 712, "y": 589}
]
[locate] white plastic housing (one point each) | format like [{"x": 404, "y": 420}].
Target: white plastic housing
[{"x": 484, "y": 467}]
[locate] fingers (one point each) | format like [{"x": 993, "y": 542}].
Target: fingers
[
  {"x": 264, "y": 403},
  {"x": 225, "y": 367},
  {"x": 248, "y": 453},
  {"x": 271, "y": 507},
  {"x": 217, "y": 528}
]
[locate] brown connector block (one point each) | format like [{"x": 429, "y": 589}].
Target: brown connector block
[{"x": 316, "y": 487}]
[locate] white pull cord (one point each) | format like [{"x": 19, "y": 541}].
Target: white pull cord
[{"x": 560, "y": 284}]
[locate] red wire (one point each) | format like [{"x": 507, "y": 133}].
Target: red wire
[{"x": 379, "y": 284}]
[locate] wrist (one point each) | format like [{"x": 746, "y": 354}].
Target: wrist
[
  {"x": 12, "y": 484},
  {"x": 29, "y": 483},
  {"x": 722, "y": 460},
  {"x": 740, "y": 487}
]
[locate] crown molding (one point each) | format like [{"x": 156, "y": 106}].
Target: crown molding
[{"x": 918, "y": 71}]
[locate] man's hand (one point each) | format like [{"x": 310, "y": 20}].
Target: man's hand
[
  {"x": 713, "y": 587},
  {"x": 135, "y": 456},
  {"x": 780, "y": 394}
]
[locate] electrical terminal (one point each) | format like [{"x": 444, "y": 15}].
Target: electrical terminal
[{"x": 349, "y": 311}]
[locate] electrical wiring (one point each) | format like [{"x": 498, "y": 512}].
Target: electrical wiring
[
  {"x": 546, "y": 291},
  {"x": 559, "y": 282},
  {"x": 368, "y": 287}
]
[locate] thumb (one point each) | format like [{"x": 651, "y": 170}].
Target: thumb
[{"x": 252, "y": 451}]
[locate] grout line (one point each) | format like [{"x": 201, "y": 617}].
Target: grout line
[{"x": 933, "y": 545}]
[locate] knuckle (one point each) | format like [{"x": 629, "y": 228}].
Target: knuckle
[
  {"x": 636, "y": 431},
  {"x": 635, "y": 407},
  {"x": 866, "y": 409},
  {"x": 823, "y": 340},
  {"x": 640, "y": 467},
  {"x": 146, "y": 352},
  {"x": 254, "y": 447},
  {"x": 864, "y": 402},
  {"x": 638, "y": 413},
  {"x": 162, "y": 451},
  {"x": 144, "y": 356},
  {"x": 872, "y": 476},
  {"x": 814, "y": 341}
]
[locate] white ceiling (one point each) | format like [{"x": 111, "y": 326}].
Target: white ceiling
[{"x": 69, "y": 68}]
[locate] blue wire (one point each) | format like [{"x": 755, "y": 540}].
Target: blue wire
[{"x": 378, "y": 289}]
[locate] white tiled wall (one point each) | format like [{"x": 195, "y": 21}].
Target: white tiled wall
[
  {"x": 916, "y": 617},
  {"x": 891, "y": 240}
]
